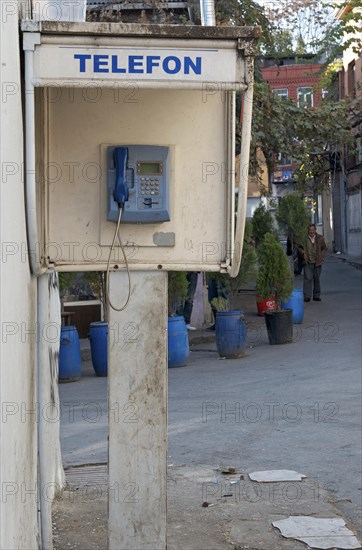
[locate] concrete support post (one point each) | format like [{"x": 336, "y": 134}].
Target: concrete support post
[{"x": 137, "y": 374}]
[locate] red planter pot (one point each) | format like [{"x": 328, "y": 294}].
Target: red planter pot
[{"x": 265, "y": 305}]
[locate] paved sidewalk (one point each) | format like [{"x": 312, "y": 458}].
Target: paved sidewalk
[{"x": 207, "y": 510}]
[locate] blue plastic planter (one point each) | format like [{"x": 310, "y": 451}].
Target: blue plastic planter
[
  {"x": 231, "y": 334},
  {"x": 296, "y": 303},
  {"x": 70, "y": 359},
  {"x": 178, "y": 342},
  {"x": 99, "y": 347}
]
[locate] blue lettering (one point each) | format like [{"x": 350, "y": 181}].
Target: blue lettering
[
  {"x": 100, "y": 61},
  {"x": 152, "y": 61},
  {"x": 82, "y": 59},
  {"x": 135, "y": 61},
  {"x": 140, "y": 64},
  {"x": 115, "y": 68},
  {"x": 195, "y": 66},
  {"x": 171, "y": 59}
]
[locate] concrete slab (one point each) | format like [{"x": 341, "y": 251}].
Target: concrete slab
[
  {"x": 322, "y": 533},
  {"x": 271, "y": 476}
]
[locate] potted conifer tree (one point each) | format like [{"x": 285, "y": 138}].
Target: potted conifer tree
[
  {"x": 262, "y": 223},
  {"x": 178, "y": 342},
  {"x": 293, "y": 217},
  {"x": 274, "y": 278},
  {"x": 230, "y": 323}
]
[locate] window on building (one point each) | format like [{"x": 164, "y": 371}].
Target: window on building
[
  {"x": 282, "y": 93},
  {"x": 352, "y": 156},
  {"x": 351, "y": 79},
  {"x": 342, "y": 76},
  {"x": 305, "y": 97},
  {"x": 283, "y": 159},
  {"x": 325, "y": 93}
]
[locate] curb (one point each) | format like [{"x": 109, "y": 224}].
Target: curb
[
  {"x": 355, "y": 262},
  {"x": 196, "y": 339},
  {"x": 86, "y": 354}
]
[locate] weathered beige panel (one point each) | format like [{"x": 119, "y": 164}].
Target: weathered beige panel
[{"x": 82, "y": 122}]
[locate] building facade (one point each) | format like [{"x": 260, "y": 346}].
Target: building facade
[
  {"x": 298, "y": 80},
  {"x": 347, "y": 204}
]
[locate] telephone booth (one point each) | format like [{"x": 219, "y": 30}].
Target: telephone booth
[{"x": 130, "y": 169}]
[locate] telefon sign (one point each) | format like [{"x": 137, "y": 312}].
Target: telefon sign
[{"x": 158, "y": 63}]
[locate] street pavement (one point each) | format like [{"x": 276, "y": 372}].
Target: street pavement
[{"x": 294, "y": 407}]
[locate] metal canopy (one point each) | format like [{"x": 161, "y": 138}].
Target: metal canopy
[
  {"x": 133, "y": 29},
  {"x": 162, "y": 56}
]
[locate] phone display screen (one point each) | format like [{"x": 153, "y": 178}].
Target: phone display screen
[{"x": 152, "y": 168}]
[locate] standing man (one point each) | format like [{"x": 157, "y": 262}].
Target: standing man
[{"x": 313, "y": 253}]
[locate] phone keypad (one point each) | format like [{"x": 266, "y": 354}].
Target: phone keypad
[{"x": 150, "y": 185}]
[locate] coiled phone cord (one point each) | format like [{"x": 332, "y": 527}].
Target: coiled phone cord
[{"x": 116, "y": 234}]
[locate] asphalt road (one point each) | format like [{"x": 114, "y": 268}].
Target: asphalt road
[{"x": 296, "y": 406}]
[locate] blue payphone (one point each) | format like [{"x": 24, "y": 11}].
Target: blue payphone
[{"x": 138, "y": 178}]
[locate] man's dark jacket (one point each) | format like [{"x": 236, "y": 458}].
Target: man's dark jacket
[{"x": 321, "y": 250}]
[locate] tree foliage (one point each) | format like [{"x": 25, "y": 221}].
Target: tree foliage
[
  {"x": 309, "y": 136},
  {"x": 314, "y": 26},
  {"x": 247, "y": 273},
  {"x": 177, "y": 290},
  {"x": 65, "y": 279},
  {"x": 342, "y": 33},
  {"x": 91, "y": 279},
  {"x": 232, "y": 285},
  {"x": 308, "y": 20},
  {"x": 262, "y": 222},
  {"x": 294, "y": 26},
  {"x": 293, "y": 217}
]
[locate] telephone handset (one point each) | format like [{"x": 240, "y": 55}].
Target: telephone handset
[
  {"x": 121, "y": 191},
  {"x": 138, "y": 178}
]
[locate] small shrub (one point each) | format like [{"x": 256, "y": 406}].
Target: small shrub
[{"x": 177, "y": 290}]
